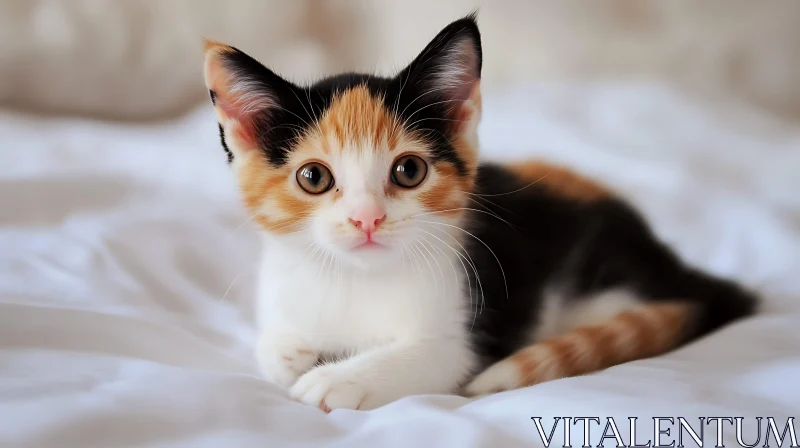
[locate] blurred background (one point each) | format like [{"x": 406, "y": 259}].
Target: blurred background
[{"x": 141, "y": 59}]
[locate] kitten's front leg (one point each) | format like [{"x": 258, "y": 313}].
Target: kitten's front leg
[
  {"x": 283, "y": 356},
  {"x": 376, "y": 377}
]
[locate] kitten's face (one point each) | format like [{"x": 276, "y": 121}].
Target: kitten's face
[{"x": 368, "y": 169}]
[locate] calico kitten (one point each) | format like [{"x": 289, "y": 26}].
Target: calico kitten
[{"x": 410, "y": 268}]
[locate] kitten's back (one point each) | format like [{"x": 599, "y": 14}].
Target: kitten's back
[{"x": 562, "y": 244}]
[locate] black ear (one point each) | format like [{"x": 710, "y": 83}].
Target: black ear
[
  {"x": 251, "y": 102},
  {"x": 447, "y": 71},
  {"x": 240, "y": 87}
]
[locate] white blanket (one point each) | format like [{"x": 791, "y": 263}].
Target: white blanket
[{"x": 126, "y": 280}]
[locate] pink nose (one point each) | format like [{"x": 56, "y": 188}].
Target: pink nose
[{"x": 368, "y": 218}]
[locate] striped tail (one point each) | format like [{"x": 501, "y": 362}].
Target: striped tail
[{"x": 649, "y": 329}]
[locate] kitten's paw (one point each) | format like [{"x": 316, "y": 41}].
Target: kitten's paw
[
  {"x": 501, "y": 376},
  {"x": 282, "y": 359},
  {"x": 329, "y": 388}
]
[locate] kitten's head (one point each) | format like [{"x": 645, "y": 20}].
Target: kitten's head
[{"x": 365, "y": 167}]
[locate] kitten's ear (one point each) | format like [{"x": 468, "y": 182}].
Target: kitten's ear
[
  {"x": 448, "y": 70},
  {"x": 245, "y": 94}
]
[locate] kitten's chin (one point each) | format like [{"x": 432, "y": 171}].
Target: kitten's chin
[{"x": 370, "y": 256}]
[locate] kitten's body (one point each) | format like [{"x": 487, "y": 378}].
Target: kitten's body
[
  {"x": 590, "y": 286},
  {"x": 391, "y": 254}
]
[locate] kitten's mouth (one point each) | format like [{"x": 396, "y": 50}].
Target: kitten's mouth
[{"x": 367, "y": 245}]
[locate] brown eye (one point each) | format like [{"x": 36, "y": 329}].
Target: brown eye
[
  {"x": 409, "y": 171},
  {"x": 314, "y": 178}
]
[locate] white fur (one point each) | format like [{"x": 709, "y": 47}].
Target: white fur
[
  {"x": 395, "y": 317},
  {"x": 503, "y": 375},
  {"x": 557, "y": 316},
  {"x": 403, "y": 327}
]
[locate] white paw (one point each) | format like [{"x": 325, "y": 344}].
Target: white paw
[
  {"x": 504, "y": 375},
  {"x": 330, "y": 387},
  {"x": 282, "y": 359}
]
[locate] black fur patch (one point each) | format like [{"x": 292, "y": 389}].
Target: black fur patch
[
  {"x": 225, "y": 145},
  {"x": 580, "y": 248}
]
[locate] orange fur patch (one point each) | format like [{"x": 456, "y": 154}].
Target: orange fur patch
[
  {"x": 355, "y": 121},
  {"x": 561, "y": 181},
  {"x": 646, "y": 331},
  {"x": 467, "y": 111},
  {"x": 260, "y": 183},
  {"x": 214, "y": 46},
  {"x": 444, "y": 195},
  {"x": 356, "y": 116}
]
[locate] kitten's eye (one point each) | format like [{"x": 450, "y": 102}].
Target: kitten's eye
[
  {"x": 315, "y": 178},
  {"x": 409, "y": 171}
]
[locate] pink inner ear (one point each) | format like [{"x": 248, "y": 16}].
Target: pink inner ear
[
  {"x": 242, "y": 103},
  {"x": 459, "y": 74},
  {"x": 237, "y": 100},
  {"x": 232, "y": 109},
  {"x": 459, "y": 80},
  {"x": 237, "y": 97},
  {"x": 238, "y": 116}
]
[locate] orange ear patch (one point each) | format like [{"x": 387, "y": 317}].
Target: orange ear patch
[
  {"x": 560, "y": 181},
  {"x": 467, "y": 111},
  {"x": 217, "y": 77},
  {"x": 212, "y": 45}
]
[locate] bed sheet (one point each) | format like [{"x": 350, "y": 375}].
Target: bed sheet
[{"x": 126, "y": 280}]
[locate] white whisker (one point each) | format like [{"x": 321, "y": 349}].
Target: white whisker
[
  {"x": 425, "y": 107},
  {"x": 245, "y": 222},
  {"x": 304, "y": 108},
  {"x": 461, "y": 259},
  {"x": 311, "y": 105},
  {"x": 430, "y": 266},
  {"x": 494, "y": 215},
  {"x": 444, "y": 254},
  {"x": 330, "y": 263},
  {"x": 441, "y": 272},
  {"x": 290, "y": 112},
  {"x": 449, "y": 260},
  {"x": 510, "y": 192},
  {"x": 414, "y": 260},
  {"x": 505, "y": 283},
  {"x": 418, "y": 97},
  {"x": 230, "y": 286},
  {"x": 494, "y": 204}
]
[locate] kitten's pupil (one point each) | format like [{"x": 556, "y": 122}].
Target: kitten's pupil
[
  {"x": 408, "y": 169},
  {"x": 314, "y": 178},
  {"x": 313, "y": 175}
]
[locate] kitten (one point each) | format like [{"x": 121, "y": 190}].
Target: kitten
[{"x": 396, "y": 264}]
